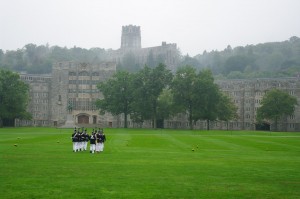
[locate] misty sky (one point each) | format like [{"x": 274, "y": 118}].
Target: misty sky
[{"x": 195, "y": 25}]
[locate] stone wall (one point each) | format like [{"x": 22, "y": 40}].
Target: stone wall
[{"x": 39, "y": 104}]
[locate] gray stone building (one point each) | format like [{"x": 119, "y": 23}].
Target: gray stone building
[
  {"x": 39, "y": 100},
  {"x": 247, "y": 96},
  {"x": 131, "y": 44},
  {"x": 71, "y": 91}
]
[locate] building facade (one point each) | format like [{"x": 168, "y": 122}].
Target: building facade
[
  {"x": 247, "y": 96},
  {"x": 39, "y": 100},
  {"x": 131, "y": 45},
  {"x": 71, "y": 90}
]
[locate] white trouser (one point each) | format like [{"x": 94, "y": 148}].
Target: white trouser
[
  {"x": 74, "y": 146},
  {"x": 101, "y": 146},
  {"x": 81, "y": 145},
  {"x": 77, "y": 146},
  {"x": 98, "y": 147},
  {"x": 85, "y": 145},
  {"x": 92, "y": 148}
]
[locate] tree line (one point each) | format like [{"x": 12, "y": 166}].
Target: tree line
[
  {"x": 274, "y": 59},
  {"x": 156, "y": 94},
  {"x": 35, "y": 59}
]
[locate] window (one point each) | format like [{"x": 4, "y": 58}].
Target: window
[
  {"x": 84, "y": 73},
  {"x": 292, "y": 117}
]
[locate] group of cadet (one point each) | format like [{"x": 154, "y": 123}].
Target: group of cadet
[{"x": 80, "y": 139}]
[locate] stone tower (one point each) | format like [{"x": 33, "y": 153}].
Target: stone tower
[{"x": 131, "y": 37}]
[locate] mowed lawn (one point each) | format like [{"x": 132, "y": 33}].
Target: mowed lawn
[{"x": 141, "y": 163}]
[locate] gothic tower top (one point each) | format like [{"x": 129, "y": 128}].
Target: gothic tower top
[{"x": 131, "y": 37}]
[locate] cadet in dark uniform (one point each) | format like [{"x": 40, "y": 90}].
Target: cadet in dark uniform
[
  {"x": 74, "y": 140},
  {"x": 98, "y": 141},
  {"x": 102, "y": 140},
  {"x": 86, "y": 139},
  {"x": 79, "y": 140},
  {"x": 92, "y": 143}
]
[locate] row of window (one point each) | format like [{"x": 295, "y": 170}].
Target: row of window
[
  {"x": 39, "y": 115},
  {"x": 37, "y": 101},
  {"x": 28, "y": 78},
  {"x": 83, "y": 91},
  {"x": 248, "y": 93},
  {"x": 40, "y": 108},
  {"x": 254, "y": 85},
  {"x": 82, "y": 104},
  {"x": 84, "y": 73},
  {"x": 40, "y": 94},
  {"x": 247, "y": 101},
  {"x": 89, "y": 82}
]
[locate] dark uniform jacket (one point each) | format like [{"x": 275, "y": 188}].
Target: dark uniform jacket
[
  {"x": 92, "y": 139},
  {"x": 74, "y": 137},
  {"x": 102, "y": 138}
]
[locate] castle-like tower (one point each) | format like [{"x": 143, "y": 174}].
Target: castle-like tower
[
  {"x": 167, "y": 54},
  {"x": 131, "y": 37}
]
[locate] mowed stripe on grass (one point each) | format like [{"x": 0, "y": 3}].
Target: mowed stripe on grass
[{"x": 141, "y": 163}]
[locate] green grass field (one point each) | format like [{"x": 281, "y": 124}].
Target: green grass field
[{"x": 140, "y": 163}]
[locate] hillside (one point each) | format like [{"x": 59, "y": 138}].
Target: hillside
[{"x": 274, "y": 59}]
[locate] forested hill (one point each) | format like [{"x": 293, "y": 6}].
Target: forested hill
[
  {"x": 39, "y": 59},
  {"x": 275, "y": 59}
]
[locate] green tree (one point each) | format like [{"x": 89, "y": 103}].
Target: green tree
[
  {"x": 208, "y": 96},
  {"x": 164, "y": 105},
  {"x": 235, "y": 75},
  {"x": 236, "y": 63},
  {"x": 185, "y": 99},
  {"x": 117, "y": 95},
  {"x": 199, "y": 97},
  {"x": 274, "y": 105},
  {"x": 187, "y": 60},
  {"x": 13, "y": 97},
  {"x": 142, "y": 103},
  {"x": 149, "y": 83}
]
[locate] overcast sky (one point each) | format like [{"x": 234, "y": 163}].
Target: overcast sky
[{"x": 195, "y": 25}]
